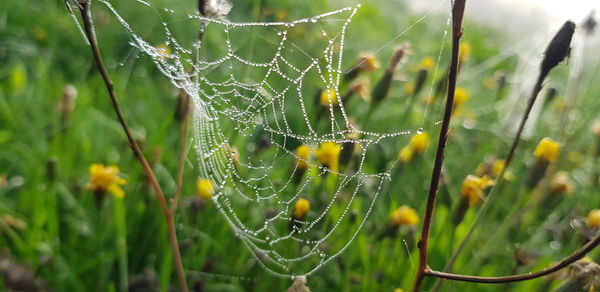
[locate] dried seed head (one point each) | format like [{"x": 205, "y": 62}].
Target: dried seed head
[
  {"x": 559, "y": 47},
  {"x": 214, "y": 8}
]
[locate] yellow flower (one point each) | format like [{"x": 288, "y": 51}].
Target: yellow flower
[
  {"x": 427, "y": 63},
  {"x": 163, "y": 52},
  {"x": 461, "y": 96},
  {"x": 106, "y": 179},
  {"x": 493, "y": 168},
  {"x": 596, "y": 128},
  {"x": 367, "y": 63},
  {"x": 404, "y": 216},
  {"x": 409, "y": 88},
  {"x": 329, "y": 97},
  {"x": 406, "y": 154},
  {"x": 593, "y": 218},
  {"x": 205, "y": 188},
  {"x": 547, "y": 150},
  {"x": 561, "y": 183},
  {"x": 463, "y": 52},
  {"x": 301, "y": 209},
  {"x": 473, "y": 187},
  {"x": 419, "y": 143},
  {"x": 303, "y": 154},
  {"x": 328, "y": 155}
]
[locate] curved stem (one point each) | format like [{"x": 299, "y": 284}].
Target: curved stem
[
  {"x": 422, "y": 270},
  {"x": 579, "y": 254},
  {"x": 84, "y": 8}
]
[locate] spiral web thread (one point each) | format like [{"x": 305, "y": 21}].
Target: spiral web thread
[{"x": 258, "y": 102}]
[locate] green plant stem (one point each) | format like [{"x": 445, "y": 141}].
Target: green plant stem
[{"x": 121, "y": 226}]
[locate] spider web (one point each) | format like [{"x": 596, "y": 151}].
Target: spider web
[{"x": 253, "y": 89}]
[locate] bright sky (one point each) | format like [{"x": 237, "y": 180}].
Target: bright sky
[{"x": 522, "y": 16}]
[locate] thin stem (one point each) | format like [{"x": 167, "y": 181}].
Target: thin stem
[
  {"x": 84, "y": 8},
  {"x": 182, "y": 155},
  {"x": 577, "y": 255},
  {"x": 500, "y": 179},
  {"x": 457, "y": 17},
  {"x": 556, "y": 52}
]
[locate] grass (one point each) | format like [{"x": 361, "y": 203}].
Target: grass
[{"x": 73, "y": 244}]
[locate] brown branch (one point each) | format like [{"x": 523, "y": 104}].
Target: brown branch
[
  {"x": 84, "y": 8},
  {"x": 579, "y": 254},
  {"x": 555, "y": 53},
  {"x": 457, "y": 17}
]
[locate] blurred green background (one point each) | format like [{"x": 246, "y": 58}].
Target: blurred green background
[{"x": 56, "y": 235}]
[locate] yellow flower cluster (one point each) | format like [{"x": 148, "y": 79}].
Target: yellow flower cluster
[
  {"x": 301, "y": 209},
  {"x": 106, "y": 179},
  {"x": 328, "y": 155},
  {"x": 593, "y": 218},
  {"x": 417, "y": 145},
  {"x": 404, "y": 216},
  {"x": 547, "y": 150},
  {"x": 473, "y": 187},
  {"x": 205, "y": 188},
  {"x": 329, "y": 97},
  {"x": 303, "y": 154}
]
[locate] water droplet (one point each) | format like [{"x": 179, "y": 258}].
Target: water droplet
[
  {"x": 313, "y": 20},
  {"x": 420, "y": 131}
]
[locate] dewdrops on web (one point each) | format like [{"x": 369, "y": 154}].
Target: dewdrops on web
[
  {"x": 404, "y": 216},
  {"x": 205, "y": 188},
  {"x": 106, "y": 179},
  {"x": 328, "y": 155},
  {"x": 593, "y": 218},
  {"x": 163, "y": 52},
  {"x": 328, "y": 97}
]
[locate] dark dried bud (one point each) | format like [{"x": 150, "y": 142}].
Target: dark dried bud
[
  {"x": 551, "y": 94},
  {"x": 51, "y": 168},
  {"x": 383, "y": 86},
  {"x": 559, "y": 47},
  {"x": 421, "y": 77},
  {"x": 590, "y": 23}
]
